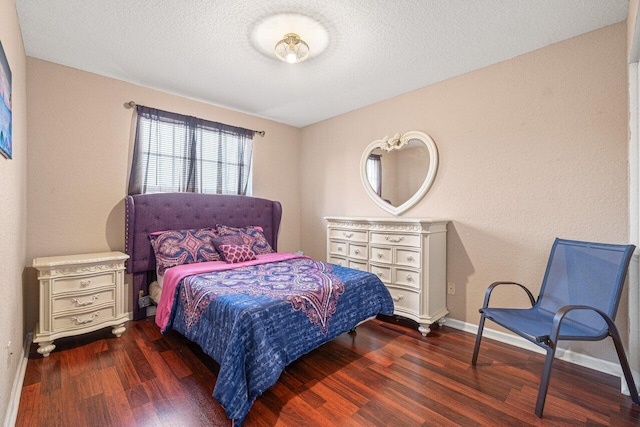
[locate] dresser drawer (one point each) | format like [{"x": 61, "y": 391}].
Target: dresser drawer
[
  {"x": 381, "y": 255},
  {"x": 338, "y": 261},
  {"x": 358, "y": 251},
  {"x": 396, "y": 239},
  {"x": 362, "y": 266},
  {"x": 338, "y": 248},
  {"x": 384, "y": 273},
  {"x": 84, "y": 282},
  {"x": 83, "y": 319},
  {"x": 349, "y": 235},
  {"x": 407, "y": 278},
  {"x": 408, "y": 258},
  {"x": 405, "y": 301},
  {"x": 79, "y": 300}
]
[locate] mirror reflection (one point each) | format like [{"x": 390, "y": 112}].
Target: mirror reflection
[
  {"x": 397, "y": 175},
  {"x": 397, "y": 171}
]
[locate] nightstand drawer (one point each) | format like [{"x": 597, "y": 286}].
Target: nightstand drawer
[
  {"x": 79, "y": 300},
  {"x": 83, "y": 319},
  {"x": 84, "y": 282}
]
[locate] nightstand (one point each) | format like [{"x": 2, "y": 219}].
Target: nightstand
[{"x": 79, "y": 294}]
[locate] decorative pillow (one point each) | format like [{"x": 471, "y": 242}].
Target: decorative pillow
[
  {"x": 231, "y": 239},
  {"x": 252, "y": 236},
  {"x": 237, "y": 253},
  {"x": 177, "y": 247}
]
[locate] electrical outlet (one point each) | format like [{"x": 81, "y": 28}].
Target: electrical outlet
[{"x": 451, "y": 288}]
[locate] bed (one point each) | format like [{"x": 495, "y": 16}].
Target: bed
[{"x": 253, "y": 317}]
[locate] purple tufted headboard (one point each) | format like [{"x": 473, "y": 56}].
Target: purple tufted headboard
[{"x": 146, "y": 213}]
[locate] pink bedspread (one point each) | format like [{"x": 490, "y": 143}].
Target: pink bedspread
[{"x": 174, "y": 275}]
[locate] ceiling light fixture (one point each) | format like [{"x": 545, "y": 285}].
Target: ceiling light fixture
[{"x": 292, "y": 49}]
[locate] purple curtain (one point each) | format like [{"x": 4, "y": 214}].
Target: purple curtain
[{"x": 177, "y": 153}]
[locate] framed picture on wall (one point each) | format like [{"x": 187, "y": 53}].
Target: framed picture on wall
[{"x": 6, "y": 148}]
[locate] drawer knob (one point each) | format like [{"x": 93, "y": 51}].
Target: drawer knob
[
  {"x": 380, "y": 254},
  {"x": 84, "y": 321},
  {"x": 85, "y": 283},
  {"x": 379, "y": 273},
  {"x": 339, "y": 248},
  {"x": 398, "y": 298},
  {"x": 78, "y": 303},
  {"x": 410, "y": 258},
  {"x": 347, "y": 235},
  {"x": 393, "y": 239},
  {"x": 409, "y": 278},
  {"x": 357, "y": 251}
]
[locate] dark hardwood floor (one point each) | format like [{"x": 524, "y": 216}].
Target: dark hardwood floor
[{"x": 383, "y": 374}]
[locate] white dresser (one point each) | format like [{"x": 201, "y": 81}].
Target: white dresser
[
  {"x": 79, "y": 294},
  {"x": 409, "y": 256}
]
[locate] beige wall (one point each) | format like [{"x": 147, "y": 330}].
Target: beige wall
[
  {"x": 531, "y": 148},
  {"x": 13, "y": 207},
  {"x": 79, "y": 161}
]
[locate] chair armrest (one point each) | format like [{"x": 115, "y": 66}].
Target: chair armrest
[
  {"x": 492, "y": 286},
  {"x": 563, "y": 311}
]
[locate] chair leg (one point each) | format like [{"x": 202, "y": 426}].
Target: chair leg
[
  {"x": 476, "y": 349},
  {"x": 544, "y": 381},
  {"x": 624, "y": 364}
]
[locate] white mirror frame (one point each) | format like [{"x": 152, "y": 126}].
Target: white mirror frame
[{"x": 396, "y": 143}]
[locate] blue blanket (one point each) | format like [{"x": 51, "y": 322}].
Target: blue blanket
[{"x": 256, "y": 320}]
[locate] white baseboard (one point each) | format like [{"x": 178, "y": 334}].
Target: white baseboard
[
  {"x": 562, "y": 354},
  {"x": 16, "y": 389}
]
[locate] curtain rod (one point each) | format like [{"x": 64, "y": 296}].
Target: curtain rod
[{"x": 132, "y": 104}]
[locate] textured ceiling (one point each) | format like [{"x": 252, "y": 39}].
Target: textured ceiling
[{"x": 377, "y": 49}]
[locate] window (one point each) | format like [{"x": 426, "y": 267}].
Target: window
[
  {"x": 374, "y": 172},
  {"x": 177, "y": 153}
]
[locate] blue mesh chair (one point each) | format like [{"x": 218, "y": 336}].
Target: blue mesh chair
[{"x": 578, "y": 301}]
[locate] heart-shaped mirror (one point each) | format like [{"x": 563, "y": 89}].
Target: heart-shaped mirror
[{"x": 397, "y": 172}]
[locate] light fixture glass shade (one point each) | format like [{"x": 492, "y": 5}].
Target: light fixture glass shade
[{"x": 292, "y": 49}]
